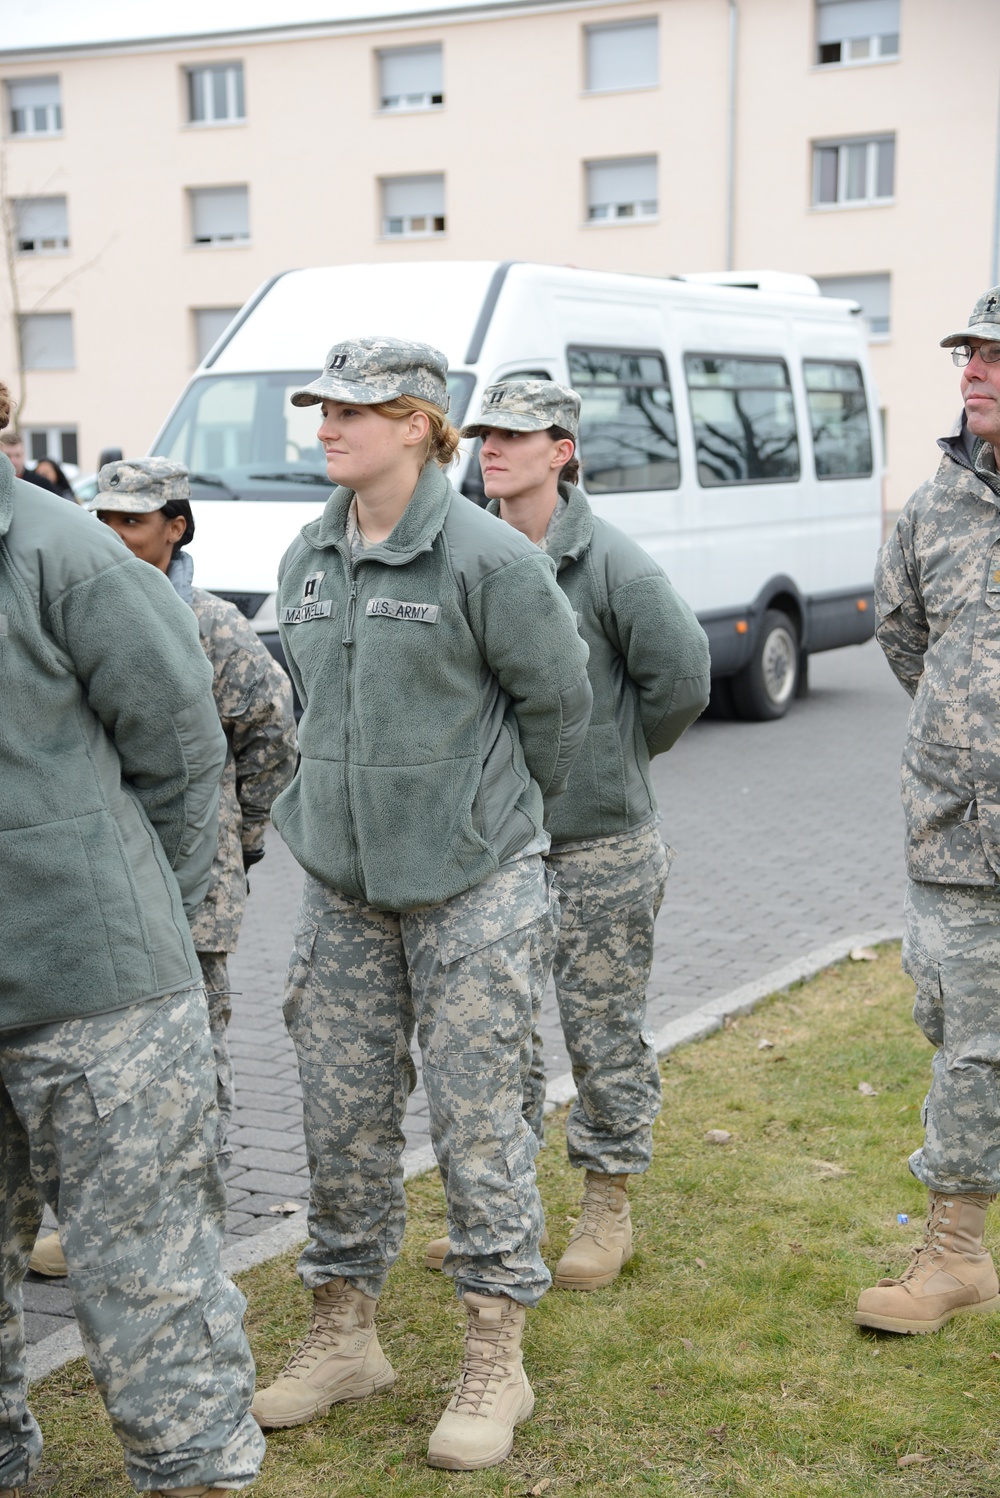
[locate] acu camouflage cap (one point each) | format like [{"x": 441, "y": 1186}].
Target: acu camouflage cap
[
  {"x": 984, "y": 321},
  {"x": 527, "y": 406},
  {"x": 137, "y": 486},
  {"x": 367, "y": 371}
]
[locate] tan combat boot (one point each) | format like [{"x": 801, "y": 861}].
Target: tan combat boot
[
  {"x": 493, "y": 1393},
  {"x": 339, "y": 1360},
  {"x": 601, "y": 1242},
  {"x": 950, "y": 1272},
  {"x": 437, "y": 1248},
  {"x": 47, "y": 1257}
]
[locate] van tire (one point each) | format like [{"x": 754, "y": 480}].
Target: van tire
[{"x": 766, "y": 686}]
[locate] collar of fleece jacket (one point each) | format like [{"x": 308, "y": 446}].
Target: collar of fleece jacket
[
  {"x": 6, "y": 493},
  {"x": 575, "y": 530},
  {"x": 418, "y": 525}
]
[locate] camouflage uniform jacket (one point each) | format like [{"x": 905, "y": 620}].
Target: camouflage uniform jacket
[
  {"x": 110, "y": 755},
  {"x": 937, "y": 593},
  {"x": 648, "y": 668},
  {"x": 254, "y": 701}
]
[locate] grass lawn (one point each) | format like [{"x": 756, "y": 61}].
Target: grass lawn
[{"x": 724, "y": 1360}]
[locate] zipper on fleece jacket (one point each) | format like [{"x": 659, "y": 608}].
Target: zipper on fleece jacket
[{"x": 347, "y": 641}]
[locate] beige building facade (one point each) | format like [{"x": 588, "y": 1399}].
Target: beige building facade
[{"x": 149, "y": 187}]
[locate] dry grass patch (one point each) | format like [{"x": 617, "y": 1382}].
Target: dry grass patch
[{"x": 724, "y": 1360}]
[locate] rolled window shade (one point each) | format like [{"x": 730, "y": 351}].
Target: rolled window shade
[
  {"x": 47, "y": 340},
  {"x": 41, "y": 218},
  {"x": 410, "y": 70},
  {"x": 837, "y": 20},
  {"x": 871, "y": 291},
  {"x": 413, "y": 197},
  {"x": 622, "y": 56},
  {"x": 629, "y": 180},
  {"x": 33, "y": 93},
  {"x": 220, "y": 213}
]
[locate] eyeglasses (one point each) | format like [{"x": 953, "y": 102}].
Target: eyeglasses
[{"x": 988, "y": 352}]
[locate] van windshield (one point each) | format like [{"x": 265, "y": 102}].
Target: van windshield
[{"x": 241, "y": 438}]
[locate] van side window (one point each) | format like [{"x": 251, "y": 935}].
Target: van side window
[
  {"x": 838, "y": 413},
  {"x": 628, "y": 432},
  {"x": 744, "y": 419}
]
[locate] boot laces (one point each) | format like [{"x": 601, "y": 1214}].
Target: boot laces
[
  {"x": 331, "y": 1319},
  {"x": 597, "y": 1206},
  {"x": 483, "y": 1365},
  {"x": 923, "y": 1259}
]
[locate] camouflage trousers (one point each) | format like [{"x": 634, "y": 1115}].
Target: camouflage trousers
[
  {"x": 951, "y": 950},
  {"x": 609, "y": 893},
  {"x": 462, "y": 975},
  {"x": 111, "y": 1121},
  {"x": 215, "y": 974}
]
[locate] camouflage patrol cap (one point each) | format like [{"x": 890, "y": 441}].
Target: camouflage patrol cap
[
  {"x": 984, "y": 321},
  {"x": 137, "y": 486},
  {"x": 527, "y": 406},
  {"x": 367, "y": 371}
]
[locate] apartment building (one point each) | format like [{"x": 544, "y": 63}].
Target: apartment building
[{"x": 149, "y": 186}]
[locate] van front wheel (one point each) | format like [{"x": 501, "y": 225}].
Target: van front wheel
[{"x": 765, "y": 688}]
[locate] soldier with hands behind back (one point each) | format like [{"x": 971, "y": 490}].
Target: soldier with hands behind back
[
  {"x": 937, "y": 592},
  {"x": 110, "y": 758},
  {"x": 649, "y": 671}
]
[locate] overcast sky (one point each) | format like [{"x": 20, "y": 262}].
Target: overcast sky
[{"x": 37, "y": 23}]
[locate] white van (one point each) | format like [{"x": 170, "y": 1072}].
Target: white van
[{"x": 731, "y": 429}]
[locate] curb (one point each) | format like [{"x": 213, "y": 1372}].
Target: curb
[{"x": 63, "y": 1346}]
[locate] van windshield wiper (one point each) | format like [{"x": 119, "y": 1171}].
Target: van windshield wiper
[
  {"x": 296, "y": 477},
  {"x": 214, "y": 482}
]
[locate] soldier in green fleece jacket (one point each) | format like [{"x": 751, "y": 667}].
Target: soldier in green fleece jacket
[
  {"x": 110, "y": 757},
  {"x": 445, "y": 693},
  {"x": 649, "y": 671}
]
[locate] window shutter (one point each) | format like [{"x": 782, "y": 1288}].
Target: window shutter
[
  {"x": 838, "y": 20},
  {"x": 209, "y": 325},
  {"x": 413, "y": 197},
  {"x": 219, "y": 213},
  {"x": 41, "y": 218},
  {"x": 33, "y": 93},
  {"x": 411, "y": 70},
  {"x": 871, "y": 291},
  {"x": 622, "y": 56},
  {"x": 629, "y": 180},
  {"x": 47, "y": 340}
]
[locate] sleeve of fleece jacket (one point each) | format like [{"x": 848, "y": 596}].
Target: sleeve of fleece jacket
[
  {"x": 527, "y": 633},
  {"x": 902, "y": 629},
  {"x": 666, "y": 656},
  {"x": 135, "y": 648}
]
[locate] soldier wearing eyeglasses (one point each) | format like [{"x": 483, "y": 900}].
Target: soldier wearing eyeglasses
[{"x": 937, "y": 591}]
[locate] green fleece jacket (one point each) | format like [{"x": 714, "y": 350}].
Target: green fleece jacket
[
  {"x": 648, "y": 668},
  {"x": 445, "y": 692},
  {"x": 110, "y": 757}
]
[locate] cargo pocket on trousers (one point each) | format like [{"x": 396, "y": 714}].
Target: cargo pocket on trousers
[
  {"x": 928, "y": 1004},
  {"x": 299, "y": 969},
  {"x": 151, "y": 1124}
]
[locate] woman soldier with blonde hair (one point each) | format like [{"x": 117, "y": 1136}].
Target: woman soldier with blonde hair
[{"x": 445, "y": 693}]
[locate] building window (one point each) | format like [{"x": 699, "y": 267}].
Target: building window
[
  {"x": 215, "y": 94},
  {"x": 40, "y": 225},
  {"x": 52, "y": 442},
  {"x": 856, "y": 30},
  {"x": 219, "y": 215},
  {"x": 628, "y": 433},
  {"x": 410, "y": 77},
  {"x": 621, "y": 190},
  {"x": 873, "y": 293},
  {"x": 47, "y": 340},
  {"x": 621, "y": 56},
  {"x": 35, "y": 106},
  {"x": 838, "y": 413},
  {"x": 413, "y": 207},
  {"x": 854, "y": 171},
  {"x": 744, "y": 420},
  {"x": 209, "y": 325}
]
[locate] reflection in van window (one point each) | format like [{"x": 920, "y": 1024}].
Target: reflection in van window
[
  {"x": 628, "y": 433},
  {"x": 744, "y": 420},
  {"x": 838, "y": 413}
]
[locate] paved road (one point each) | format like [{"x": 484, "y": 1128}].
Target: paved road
[{"x": 788, "y": 835}]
